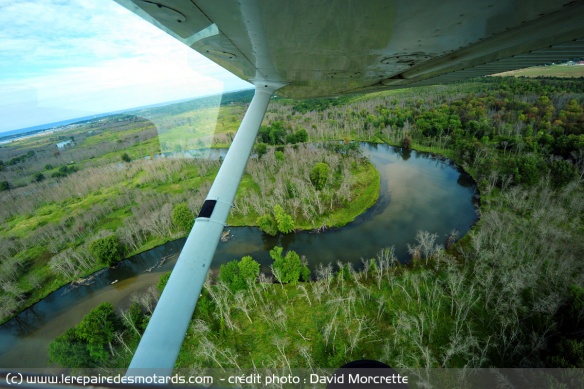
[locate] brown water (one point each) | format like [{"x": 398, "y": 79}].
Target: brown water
[{"x": 418, "y": 192}]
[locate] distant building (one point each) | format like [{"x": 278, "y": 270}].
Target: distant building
[{"x": 64, "y": 144}]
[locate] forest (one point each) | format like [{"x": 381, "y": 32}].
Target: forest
[{"x": 510, "y": 293}]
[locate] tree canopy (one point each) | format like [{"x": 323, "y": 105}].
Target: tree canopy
[
  {"x": 277, "y": 221},
  {"x": 319, "y": 175},
  {"x": 106, "y": 250},
  {"x": 87, "y": 344},
  {"x": 182, "y": 217},
  {"x": 289, "y": 268},
  {"x": 237, "y": 274}
]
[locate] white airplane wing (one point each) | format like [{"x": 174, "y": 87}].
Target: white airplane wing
[{"x": 326, "y": 48}]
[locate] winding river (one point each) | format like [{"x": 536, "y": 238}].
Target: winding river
[{"x": 418, "y": 192}]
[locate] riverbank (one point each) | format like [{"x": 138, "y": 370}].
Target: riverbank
[
  {"x": 363, "y": 193},
  {"x": 410, "y": 192}
]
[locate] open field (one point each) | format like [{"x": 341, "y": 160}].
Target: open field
[{"x": 547, "y": 71}]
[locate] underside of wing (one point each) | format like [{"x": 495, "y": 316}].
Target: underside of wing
[{"x": 328, "y": 48}]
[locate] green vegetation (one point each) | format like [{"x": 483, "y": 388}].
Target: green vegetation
[
  {"x": 277, "y": 221},
  {"x": 288, "y": 269},
  {"x": 113, "y": 178},
  {"x": 63, "y": 171},
  {"x": 282, "y": 179},
  {"x": 38, "y": 177},
  {"x": 284, "y": 221},
  {"x": 508, "y": 294},
  {"x": 267, "y": 223},
  {"x": 182, "y": 217},
  {"x": 87, "y": 344},
  {"x": 107, "y": 250},
  {"x": 548, "y": 71},
  {"x": 237, "y": 275},
  {"x": 319, "y": 175}
]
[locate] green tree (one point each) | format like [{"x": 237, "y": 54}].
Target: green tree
[
  {"x": 88, "y": 343},
  {"x": 69, "y": 350},
  {"x": 261, "y": 149},
  {"x": 568, "y": 353},
  {"x": 319, "y": 175},
  {"x": 4, "y": 185},
  {"x": 277, "y": 221},
  {"x": 275, "y": 134},
  {"x": 136, "y": 317},
  {"x": 301, "y": 136},
  {"x": 182, "y": 217},
  {"x": 291, "y": 138},
  {"x": 229, "y": 274},
  {"x": 106, "y": 250},
  {"x": 249, "y": 269},
  {"x": 529, "y": 168},
  {"x": 237, "y": 274},
  {"x": 284, "y": 221},
  {"x": 97, "y": 330},
  {"x": 39, "y": 177},
  {"x": 126, "y": 158},
  {"x": 267, "y": 223},
  {"x": 280, "y": 156},
  {"x": 562, "y": 172},
  {"x": 289, "y": 268}
]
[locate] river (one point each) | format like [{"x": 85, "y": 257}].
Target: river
[{"x": 418, "y": 192}]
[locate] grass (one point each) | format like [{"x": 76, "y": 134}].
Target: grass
[{"x": 547, "y": 71}]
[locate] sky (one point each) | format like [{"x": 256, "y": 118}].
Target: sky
[{"x": 64, "y": 59}]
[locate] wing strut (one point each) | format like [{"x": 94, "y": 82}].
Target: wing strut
[{"x": 162, "y": 340}]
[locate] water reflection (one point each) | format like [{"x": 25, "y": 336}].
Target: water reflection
[{"x": 405, "y": 154}]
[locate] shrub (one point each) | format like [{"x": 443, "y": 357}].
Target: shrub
[
  {"x": 319, "y": 175},
  {"x": 289, "y": 268},
  {"x": 284, "y": 221},
  {"x": 106, "y": 250},
  {"x": 237, "y": 274},
  {"x": 562, "y": 172},
  {"x": 182, "y": 217},
  {"x": 261, "y": 149},
  {"x": 267, "y": 224},
  {"x": 39, "y": 177}
]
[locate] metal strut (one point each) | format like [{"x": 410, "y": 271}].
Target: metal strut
[{"x": 162, "y": 340}]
